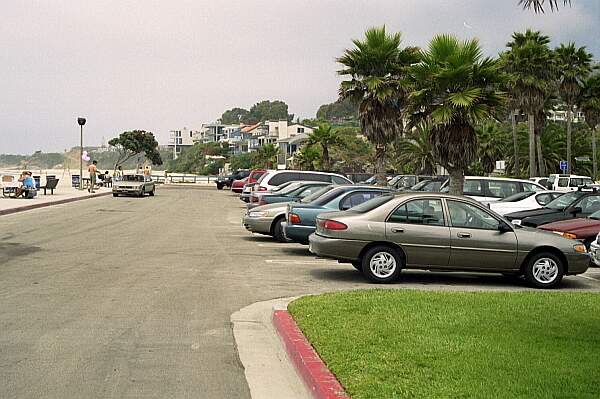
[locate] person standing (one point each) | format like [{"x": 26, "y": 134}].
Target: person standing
[{"x": 93, "y": 169}]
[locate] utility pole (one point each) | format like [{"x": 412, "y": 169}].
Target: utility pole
[{"x": 81, "y": 122}]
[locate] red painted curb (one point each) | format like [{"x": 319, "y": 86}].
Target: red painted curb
[
  {"x": 45, "y": 204},
  {"x": 319, "y": 379}
]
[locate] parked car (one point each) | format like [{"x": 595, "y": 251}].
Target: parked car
[
  {"x": 301, "y": 218},
  {"x": 403, "y": 182},
  {"x": 568, "y": 206},
  {"x": 582, "y": 229},
  {"x": 373, "y": 179},
  {"x": 542, "y": 181},
  {"x": 227, "y": 181},
  {"x": 277, "y": 177},
  {"x": 283, "y": 188},
  {"x": 293, "y": 192},
  {"x": 237, "y": 186},
  {"x": 442, "y": 232},
  {"x": 494, "y": 188},
  {"x": 269, "y": 219},
  {"x": 595, "y": 250},
  {"x": 432, "y": 185},
  {"x": 138, "y": 185},
  {"x": 568, "y": 182},
  {"x": 254, "y": 176},
  {"x": 523, "y": 201}
]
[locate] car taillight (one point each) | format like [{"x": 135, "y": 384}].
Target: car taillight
[
  {"x": 334, "y": 225},
  {"x": 294, "y": 219},
  {"x": 261, "y": 188}
]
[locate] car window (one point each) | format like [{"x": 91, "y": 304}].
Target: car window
[
  {"x": 281, "y": 178},
  {"x": 472, "y": 187},
  {"x": 373, "y": 203},
  {"x": 358, "y": 198},
  {"x": 587, "y": 181},
  {"x": 306, "y": 191},
  {"x": 532, "y": 187},
  {"x": 551, "y": 180},
  {"x": 468, "y": 216},
  {"x": 589, "y": 204},
  {"x": 575, "y": 182},
  {"x": 563, "y": 182},
  {"x": 310, "y": 198},
  {"x": 420, "y": 211},
  {"x": 517, "y": 197},
  {"x": 502, "y": 189},
  {"x": 544, "y": 199},
  {"x": 338, "y": 180},
  {"x": 564, "y": 200}
]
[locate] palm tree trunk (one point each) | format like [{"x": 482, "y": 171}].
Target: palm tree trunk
[
  {"x": 532, "y": 168},
  {"x": 569, "y": 117},
  {"x": 326, "y": 166},
  {"x": 517, "y": 166},
  {"x": 457, "y": 180},
  {"x": 594, "y": 163},
  {"x": 540, "y": 157},
  {"x": 380, "y": 165}
]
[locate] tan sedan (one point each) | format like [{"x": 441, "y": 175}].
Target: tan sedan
[{"x": 442, "y": 232}]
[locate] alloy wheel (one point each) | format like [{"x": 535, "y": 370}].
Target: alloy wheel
[
  {"x": 545, "y": 270},
  {"x": 382, "y": 264}
]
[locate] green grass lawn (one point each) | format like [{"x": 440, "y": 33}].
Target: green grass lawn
[{"x": 425, "y": 344}]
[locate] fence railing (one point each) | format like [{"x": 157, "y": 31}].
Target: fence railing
[{"x": 183, "y": 178}]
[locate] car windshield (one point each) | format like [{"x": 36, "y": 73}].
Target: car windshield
[
  {"x": 595, "y": 215},
  {"x": 395, "y": 180},
  {"x": 518, "y": 196},
  {"x": 310, "y": 198},
  {"x": 281, "y": 188},
  {"x": 133, "y": 178},
  {"x": 420, "y": 185},
  {"x": 563, "y": 202},
  {"x": 372, "y": 204},
  {"x": 325, "y": 198}
]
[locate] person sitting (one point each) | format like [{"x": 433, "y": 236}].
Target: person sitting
[{"x": 27, "y": 184}]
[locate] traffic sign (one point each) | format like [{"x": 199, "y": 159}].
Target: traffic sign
[{"x": 564, "y": 165}]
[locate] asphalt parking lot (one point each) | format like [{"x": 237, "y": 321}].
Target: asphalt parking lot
[{"x": 131, "y": 297}]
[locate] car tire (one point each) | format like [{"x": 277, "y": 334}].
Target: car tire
[
  {"x": 219, "y": 187},
  {"x": 278, "y": 231},
  {"x": 544, "y": 270},
  {"x": 382, "y": 264},
  {"x": 115, "y": 195},
  {"x": 151, "y": 193},
  {"x": 143, "y": 192}
]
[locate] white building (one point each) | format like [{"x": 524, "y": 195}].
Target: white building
[{"x": 180, "y": 139}]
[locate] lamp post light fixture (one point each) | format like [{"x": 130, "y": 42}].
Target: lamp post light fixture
[{"x": 81, "y": 122}]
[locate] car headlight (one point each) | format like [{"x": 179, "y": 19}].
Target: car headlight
[
  {"x": 516, "y": 222},
  {"x": 257, "y": 214},
  {"x": 580, "y": 248},
  {"x": 566, "y": 235}
]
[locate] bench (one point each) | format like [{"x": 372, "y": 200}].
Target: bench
[{"x": 50, "y": 185}]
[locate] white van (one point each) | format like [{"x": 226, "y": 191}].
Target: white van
[
  {"x": 489, "y": 189},
  {"x": 568, "y": 182}
]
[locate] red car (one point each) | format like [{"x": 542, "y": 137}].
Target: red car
[
  {"x": 582, "y": 229},
  {"x": 238, "y": 185}
]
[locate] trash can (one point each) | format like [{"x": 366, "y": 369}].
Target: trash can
[
  {"x": 37, "y": 182},
  {"x": 75, "y": 181}
]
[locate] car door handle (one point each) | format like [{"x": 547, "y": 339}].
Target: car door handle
[
  {"x": 397, "y": 230},
  {"x": 463, "y": 235}
]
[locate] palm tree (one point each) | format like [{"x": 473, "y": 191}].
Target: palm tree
[
  {"x": 376, "y": 68},
  {"x": 415, "y": 150},
  {"x": 267, "y": 155},
  {"x": 538, "y": 5},
  {"x": 306, "y": 157},
  {"x": 589, "y": 103},
  {"x": 530, "y": 64},
  {"x": 574, "y": 66},
  {"x": 491, "y": 145},
  {"x": 456, "y": 88},
  {"x": 325, "y": 137},
  {"x": 513, "y": 111}
]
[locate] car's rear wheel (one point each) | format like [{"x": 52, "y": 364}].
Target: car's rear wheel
[
  {"x": 219, "y": 187},
  {"x": 357, "y": 265},
  {"x": 143, "y": 192},
  {"x": 151, "y": 193},
  {"x": 544, "y": 270},
  {"x": 382, "y": 264},
  {"x": 115, "y": 195},
  {"x": 278, "y": 230}
]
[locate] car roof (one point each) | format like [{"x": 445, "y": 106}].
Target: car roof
[{"x": 498, "y": 178}]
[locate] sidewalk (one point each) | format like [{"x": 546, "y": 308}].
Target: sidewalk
[{"x": 62, "y": 194}]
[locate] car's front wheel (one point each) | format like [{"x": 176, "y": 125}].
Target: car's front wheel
[
  {"x": 544, "y": 270},
  {"x": 382, "y": 264},
  {"x": 143, "y": 192},
  {"x": 115, "y": 195},
  {"x": 151, "y": 193},
  {"x": 278, "y": 230}
]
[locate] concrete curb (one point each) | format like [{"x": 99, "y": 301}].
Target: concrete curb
[
  {"x": 319, "y": 379},
  {"x": 45, "y": 204}
]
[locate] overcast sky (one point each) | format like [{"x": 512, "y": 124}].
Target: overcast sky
[{"x": 160, "y": 65}]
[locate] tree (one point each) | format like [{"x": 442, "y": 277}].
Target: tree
[
  {"x": 377, "y": 68},
  {"x": 325, "y": 137},
  {"x": 267, "y": 155},
  {"x": 538, "y": 5},
  {"x": 574, "y": 66},
  {"x": 491, "y": 146},
  {"x": 341, "y": 110},
  {"x": 132, "y": 143},
  {"x": 415, "y": 151},
  {"x": 307, "y": 157},
  {"x": 513, "y": 108},
  {"x": 268, "y": 111},
  {"x": 234, "y": 116},
  {"x": 589, "y": 103},
  {"x": 530, "y": 64},
  {"x": 456, "y": 89}
]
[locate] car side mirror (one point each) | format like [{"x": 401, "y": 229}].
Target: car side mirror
[
  {"x": 576, "y": 210},
  {"x": 504, "y": 228}
]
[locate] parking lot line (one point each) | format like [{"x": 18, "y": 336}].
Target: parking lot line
[{"x": 304, "y": 262}]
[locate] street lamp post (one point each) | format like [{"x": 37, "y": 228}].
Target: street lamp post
[{"x": 81, "y": 122}]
